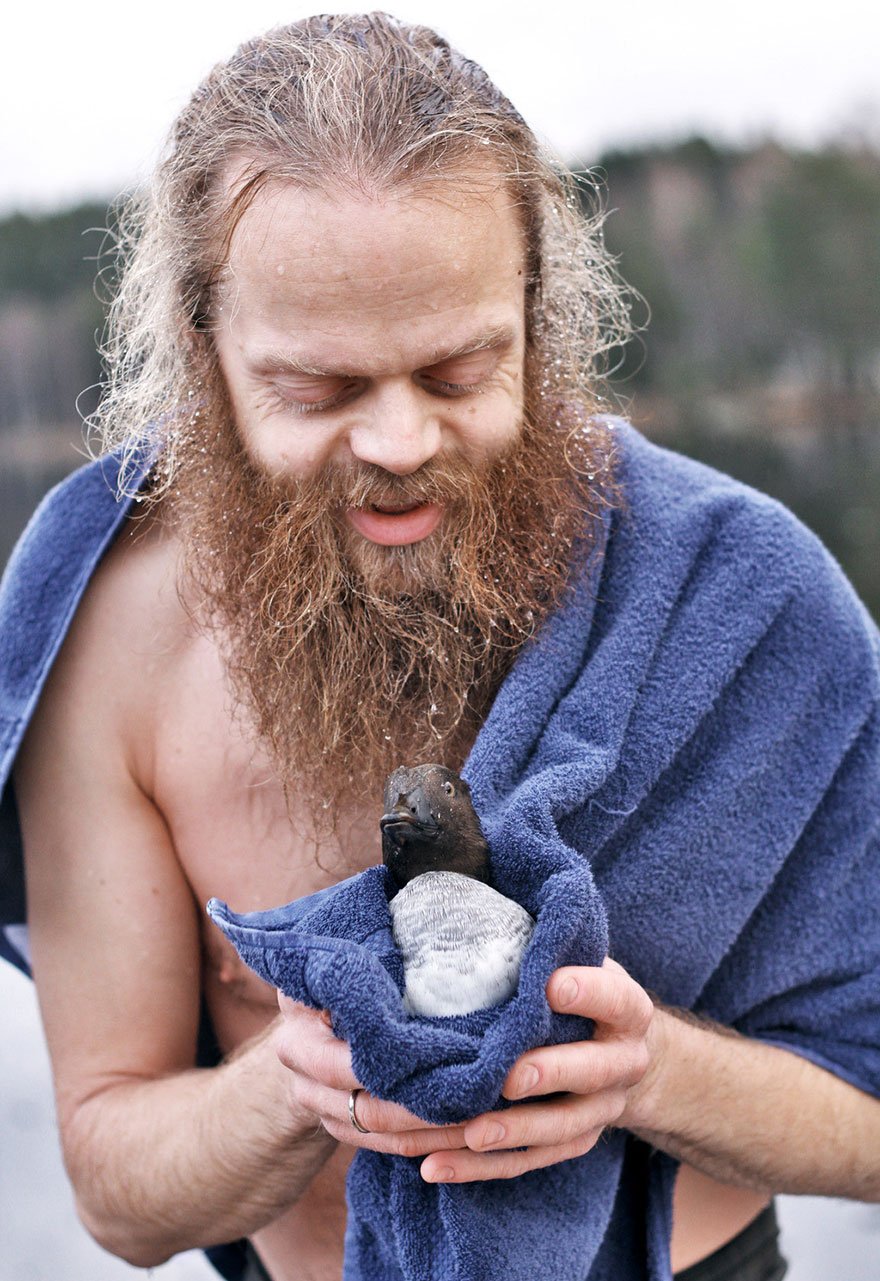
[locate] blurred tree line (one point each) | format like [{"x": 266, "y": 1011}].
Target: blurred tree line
[
  {"x": 49, "y": 315},
  {"x": 759, "y": 267},
  {"x": 50, "y": 318},
  {"x": 759, "y": 271}
]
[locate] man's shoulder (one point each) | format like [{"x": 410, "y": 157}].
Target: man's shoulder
[
  {"x": 721, "y": 545},
  {"x": 70, "y": 529},
  {"x": 43, "y": 583},
  {"x": 131, "y": 604},
  {"x": 73, "y": 552},
  {"x": 667, "y": 489},
  {"x": 690, "y": 507}
]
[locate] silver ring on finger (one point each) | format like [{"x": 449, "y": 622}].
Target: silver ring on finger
[{"x": 352, "y": 1114}]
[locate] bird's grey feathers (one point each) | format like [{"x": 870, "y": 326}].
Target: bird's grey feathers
[{"x": 461, "y": 942}]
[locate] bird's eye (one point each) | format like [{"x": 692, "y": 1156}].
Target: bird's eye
[{"x": 448, "y": 789}]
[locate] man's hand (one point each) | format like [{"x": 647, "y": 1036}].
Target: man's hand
[
  {"x": 322, "y": 1080},
  {"x": 590, "y": 1079}
]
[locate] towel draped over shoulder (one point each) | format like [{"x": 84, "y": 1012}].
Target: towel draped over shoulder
[{"x": 682, "y": 769}]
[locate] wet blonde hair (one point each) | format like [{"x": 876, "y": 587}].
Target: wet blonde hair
[{"x": 358, "y": 102}]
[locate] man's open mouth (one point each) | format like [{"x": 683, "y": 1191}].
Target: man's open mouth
[{"x": 395, "y": 524}]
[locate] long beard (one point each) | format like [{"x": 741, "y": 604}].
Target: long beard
[{"x": 349, "y": 658}]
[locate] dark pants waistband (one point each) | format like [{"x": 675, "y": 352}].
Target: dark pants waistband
[
  {"x": 752, "y": 1255},
  {"x": 254, "y": 1270}
]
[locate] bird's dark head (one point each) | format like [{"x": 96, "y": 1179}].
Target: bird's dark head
[{"x": 430, "y": 825}]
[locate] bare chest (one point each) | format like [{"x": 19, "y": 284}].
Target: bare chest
[{"x": 235, "y": 834}]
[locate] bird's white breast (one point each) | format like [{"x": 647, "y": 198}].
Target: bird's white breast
[{"x": 461, "y": 941}]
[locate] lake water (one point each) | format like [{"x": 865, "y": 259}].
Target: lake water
[{"x": 42, "y": 1241}]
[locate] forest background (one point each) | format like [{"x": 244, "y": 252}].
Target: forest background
[{"x": 757, "y": 270}]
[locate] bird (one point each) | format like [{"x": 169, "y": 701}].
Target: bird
[{"x": 461, "y": 941}]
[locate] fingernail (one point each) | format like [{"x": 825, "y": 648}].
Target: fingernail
[
  {"x": 493, "y": 1133},
  {"x": 566, "y": 993},
  {"x": 527, "y": 1079},
  {"x": 444, "y": 1175}
]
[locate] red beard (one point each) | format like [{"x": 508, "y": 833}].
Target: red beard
[{"x": 350, "y": 658}]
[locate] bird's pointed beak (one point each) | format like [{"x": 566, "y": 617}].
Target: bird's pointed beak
[
  {"x": 397, "y": 818},
  {"x": 408, "y": 820}
]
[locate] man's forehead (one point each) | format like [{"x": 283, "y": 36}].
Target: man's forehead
[{"x": 265, "y": 211}]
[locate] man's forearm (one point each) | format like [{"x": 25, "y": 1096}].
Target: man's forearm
[
  {"x": 750, "y": 1114},
  {"x": 192, "y": 1160}
]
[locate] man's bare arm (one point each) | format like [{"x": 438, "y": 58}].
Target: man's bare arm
[
  {"x": 161, "y": 1156},
  {"x": 191, "y": 1160},
  {"x": 751, "y": 1114},
  {"x": 740, "y": 1111}
]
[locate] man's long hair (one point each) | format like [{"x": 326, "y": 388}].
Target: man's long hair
[
  {"x": 361, "y": 103},
  {"x": 339, "y": 676}
]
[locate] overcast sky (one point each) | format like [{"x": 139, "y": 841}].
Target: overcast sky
[{"x": 88, "y": 91}]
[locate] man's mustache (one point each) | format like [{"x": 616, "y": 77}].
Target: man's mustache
[{"x": 340, "y": 485}]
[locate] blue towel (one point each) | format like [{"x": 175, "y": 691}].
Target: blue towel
[
  {"x": 693, "y": 742},
  {"x": 41, "y": 588},
  {"x": 684, "y": 768}
]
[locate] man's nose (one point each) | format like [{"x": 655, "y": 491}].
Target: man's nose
[{"x": 398, "y": 431}]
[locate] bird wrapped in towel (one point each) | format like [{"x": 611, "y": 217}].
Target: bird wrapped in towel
[{"x": 461, "y": 941}]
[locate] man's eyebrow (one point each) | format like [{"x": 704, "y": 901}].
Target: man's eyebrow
[
  {"x": 284, "y": 362},
  {"x": 278, "y": 361},
  {"x": 503, "y": 336}
]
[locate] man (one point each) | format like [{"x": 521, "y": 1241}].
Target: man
[{"x": 357, "y": 344}]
